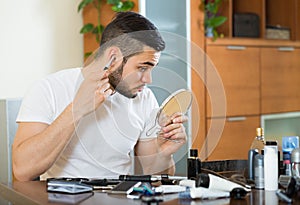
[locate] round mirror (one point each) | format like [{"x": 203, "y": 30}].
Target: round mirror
[{"x": 178, "y": 102}]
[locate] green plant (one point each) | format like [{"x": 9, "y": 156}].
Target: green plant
[
  {"x": 212, "y": 19},
  {"x": 116, "y": 5}
]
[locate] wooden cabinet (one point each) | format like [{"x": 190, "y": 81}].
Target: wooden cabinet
[
  {"x": 280, "y": 72},
  {"x": 258, "y": 78},
  {"x": 235, "y": 139},
  {"x": 270, "y": 13},
  {"x": 238, "y": 68}
]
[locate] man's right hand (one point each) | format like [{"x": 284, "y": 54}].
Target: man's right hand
[{"x": 93, "y": 91}]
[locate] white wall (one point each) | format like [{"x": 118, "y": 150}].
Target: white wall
[{"x": 37, "y": 37}]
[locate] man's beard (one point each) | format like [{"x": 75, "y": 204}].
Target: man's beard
[{"x": 119, "y": 85}]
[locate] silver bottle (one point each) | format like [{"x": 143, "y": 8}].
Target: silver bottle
[
  {"x": 259, "y": 171},
  {"x": 295, "y": 159}
]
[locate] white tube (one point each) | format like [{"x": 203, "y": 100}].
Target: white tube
[
  {"x": 187, "y": 183},
  {"x": 218, "y": 183},
  {"x": 204, "y": 193}
]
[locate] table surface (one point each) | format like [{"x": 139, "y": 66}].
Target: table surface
[{"x": 34, "y": 192}]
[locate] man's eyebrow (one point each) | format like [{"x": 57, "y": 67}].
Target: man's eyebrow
[{"x": 148, "y": 63}]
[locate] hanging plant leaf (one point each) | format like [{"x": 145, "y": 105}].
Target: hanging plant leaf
[
  {"x": 212, "y": 19},
  {"x": 127, "y": 5},
  {"x": 87, "y": 28},
  {"x": 98, "y": 30},
  {"x": 113, "y": 1},
  {"x": 216, "y": 21},
  {"x": 215, "y": 34},
  {"x": 83, "y": 4},
  {"x": 87, "y": 54},
  {"x": 117, "y": 7}
]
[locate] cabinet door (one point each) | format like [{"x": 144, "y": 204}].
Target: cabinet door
[
  {"x": 236, "y": 138},
  {"x": 280, "y": 79},
  {"x": 238, "y": 68}
]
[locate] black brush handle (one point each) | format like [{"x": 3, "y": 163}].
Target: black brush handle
[{"x": 140, "y": 178}]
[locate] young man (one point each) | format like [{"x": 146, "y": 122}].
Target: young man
[{"x": 83, "y": 122}]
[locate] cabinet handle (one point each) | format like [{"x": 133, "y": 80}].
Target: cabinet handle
[
  {"x": 236, "y": 47},
  {"x": 286, "y": 48},
  {"x": 234, "y": 119}
]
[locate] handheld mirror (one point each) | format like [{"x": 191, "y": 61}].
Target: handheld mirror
[{"x": 178, "y": 102}]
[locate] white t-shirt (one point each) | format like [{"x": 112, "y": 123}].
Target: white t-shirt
[{"x": 101, "y": 145}]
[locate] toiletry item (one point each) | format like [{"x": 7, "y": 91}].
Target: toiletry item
[
  {"x": 282, "y": 196},
  {"x": 194, "y": 164},
  {"x": 257, "y": 147},
  {"x": 188, "y": 183},
  {"x": 211, "y": 181},
  {"x": 259, "y": 171},
  {"x": 287, "y": 167},
  {"x": 203, "y": 193},
  {"x": 259, "y": 141},
  {"x": 295, "y": 159},
  {"x": 286, "y": 159},
  {"x": 271, "y": 166},
  {"x": 251, "y": 155},
  {"x": 289, "y": 143}
]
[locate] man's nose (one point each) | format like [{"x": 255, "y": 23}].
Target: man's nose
[{"x": 147, "y": 77}]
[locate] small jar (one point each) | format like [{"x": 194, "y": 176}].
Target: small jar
[{"x": 295, "y": 159}]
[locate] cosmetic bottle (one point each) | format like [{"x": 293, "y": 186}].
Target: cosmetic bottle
[
  {"x": 259, "y": 141},
  {"x": 289, "y": 143},
  {"x": 214, "y": 182},
  {"x": 256, "y": 148},
  {"x": 259, "y": 171},
  {"x": 271, "y": 166},
  {"x": 295, "y": 159},
  {"x": 287, "y": 163},
  {"x": 194, "y": 164}
]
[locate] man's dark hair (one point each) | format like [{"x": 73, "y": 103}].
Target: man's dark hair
[{"x": 130, "y": 32}]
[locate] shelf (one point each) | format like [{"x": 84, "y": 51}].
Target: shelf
[{"x": 268, "y": 12}]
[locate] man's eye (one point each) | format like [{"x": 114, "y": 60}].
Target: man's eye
[{"x": 143, "y": 69}]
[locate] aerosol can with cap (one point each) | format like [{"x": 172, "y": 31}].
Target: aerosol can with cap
[{"x": 256, "y": 148}]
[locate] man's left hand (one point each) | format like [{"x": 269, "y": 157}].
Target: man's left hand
[{"x": 172, "y": 134}]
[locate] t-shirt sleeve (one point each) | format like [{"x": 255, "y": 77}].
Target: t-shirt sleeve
[{"x": 36, "y": 105}]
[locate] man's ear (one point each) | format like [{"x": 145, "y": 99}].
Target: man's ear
[{"x": 114, "y": 55}]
